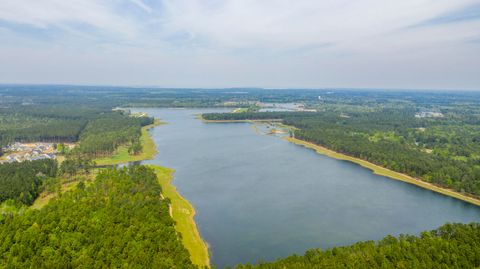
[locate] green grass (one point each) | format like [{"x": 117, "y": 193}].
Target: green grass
[
  {"x": 45, "y": 196},
  {"x": 376, "y": 169},
  {"x": 240, "y": 110},
  {"x": 122, "y": 156},
  {"x": 67, "y": 183},
  {"x": 183, "y": 213}
]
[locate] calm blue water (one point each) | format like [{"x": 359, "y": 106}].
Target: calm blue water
[{"x": 259, "y": 197}]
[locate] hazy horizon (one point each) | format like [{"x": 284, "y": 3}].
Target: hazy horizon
[
  {"x": 156, "y": 87},
  {"x": 369, "y": 44}
]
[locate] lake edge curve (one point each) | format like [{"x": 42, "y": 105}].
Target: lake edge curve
[{"x": 382, "y": 171}]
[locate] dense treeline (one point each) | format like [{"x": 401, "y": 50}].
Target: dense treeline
[
  {"x": 443, "y": 151},
  {"x": 59, "y": 123},
  {"x": 103, "y": 135},
  {"x": 119, "y": 220},
  {"x": 73, "y": 166},
  {"x": 248, "y": 116},
  {"x": 450, "y": 246},
  {"x": 22, "y": 181},
  {"x": 45, "y": 130}
]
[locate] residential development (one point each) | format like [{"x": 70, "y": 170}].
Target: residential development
[{"x": 20, "y": 152}]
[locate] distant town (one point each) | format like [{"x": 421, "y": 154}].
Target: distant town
[
  {"x": 268, "y": 107},
  {"x": 429, "y": 114}
]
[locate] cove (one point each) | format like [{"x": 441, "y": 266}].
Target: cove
[{"x": 259, "y": 197}]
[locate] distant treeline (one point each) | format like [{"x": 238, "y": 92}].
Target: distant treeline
[
  {"x": 450, "y": 246},
  {"x": 55, "y": 123},
  {"x": 444, "y": 151},
  {"x": 118, "y": 221},
  {"x": 253, "y": 115}
]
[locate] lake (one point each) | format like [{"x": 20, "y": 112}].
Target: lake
[{"x": 259, "y": 197}]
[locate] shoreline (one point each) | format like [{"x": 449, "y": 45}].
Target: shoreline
[
  {"x": 382, "y": 171},
  {"x": 183, "y": 214},
  {"x": 180, "y": 209}
]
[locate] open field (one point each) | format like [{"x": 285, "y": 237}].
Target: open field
[
  {"x": 46, "y": 196},
  {"x": 384, "y": 171},
  {"x": 183, "y": 213},
  {"x": 60, "y": 158},
  {"x": 240, "y": 110}
]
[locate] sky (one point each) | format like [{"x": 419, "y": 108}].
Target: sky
[{"x": 402, "y": 44}]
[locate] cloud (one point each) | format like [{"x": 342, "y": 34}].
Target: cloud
[
  {"x": 142, "y": 5},
  {"x": 281, "y": 24},
  {"x": 81, "y": 15},
  {"x": 466, "y": 14},
  {"x": 249, "y": 41},
  {"x": 271, "y": 24}
]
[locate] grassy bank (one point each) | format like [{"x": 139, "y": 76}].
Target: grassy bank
[
  {"x": 183, "y": 213},
  {"x": 45, "y": 197},
  {"x": 122, "y": 156},
  {"x": 66, "y": 184},
  {"x": 384, "y": 171}
]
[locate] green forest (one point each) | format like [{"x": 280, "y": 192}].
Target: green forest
[
  {"x": 22, "y": 182},
  {"x": 450, "y": 246},
  {"x": 103, "y": 135},
  {"x": 118, "y": 221},
  {"x": 41, "y": 122}
]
